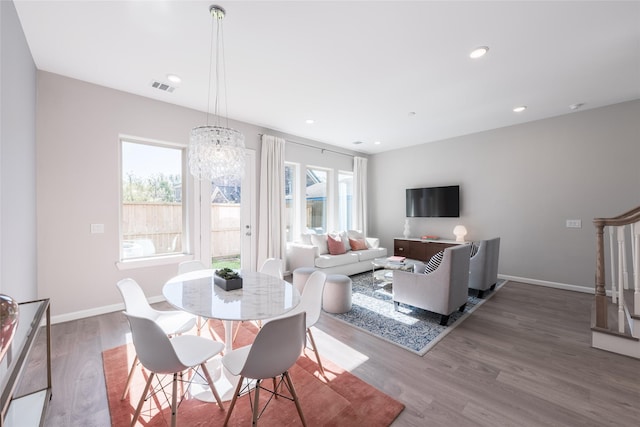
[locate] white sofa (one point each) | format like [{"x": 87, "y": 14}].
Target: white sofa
[{"x": 311, "y": 252}]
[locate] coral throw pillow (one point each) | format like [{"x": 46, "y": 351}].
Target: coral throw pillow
[
  {"x": 336, "y": 247},
  {"x": 358, "y": 244}
]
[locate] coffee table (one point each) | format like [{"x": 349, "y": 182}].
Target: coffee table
[{"x": 385, "y": 264}]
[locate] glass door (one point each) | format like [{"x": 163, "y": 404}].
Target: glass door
[{"x": 229, "y": 219}]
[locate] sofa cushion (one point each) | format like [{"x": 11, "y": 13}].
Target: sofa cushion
[
  {"x": 325, "y": 261},
  {"x": 434, "y": 263},
  {"x": 335, "y": 244},
  {"x": 368, "y": 254},
  {"x": 320, "y": 240}
]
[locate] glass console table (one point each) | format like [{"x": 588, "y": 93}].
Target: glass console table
[{"x": 18, "y": 408}]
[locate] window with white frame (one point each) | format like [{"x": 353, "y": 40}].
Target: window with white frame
[
  {"x": 345, "y": 191},
  {"x": 152, "y": 212},
  {"x": 316, "y": 199},
  {"x": 291, "y": 200}
]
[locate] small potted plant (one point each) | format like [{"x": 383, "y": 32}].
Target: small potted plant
[{"x": 227, "y": 279}]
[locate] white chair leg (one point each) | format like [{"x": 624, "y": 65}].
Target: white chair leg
[
  {"x": 174, "y": 401},
  {"x": 295, "y": 397},
  {"x": 233, "y": 400},
  {"x": 315, "y": 350},
  {"x": 256, "y": 406},
  {"x": 141, "y": 402},
  {"x": 129, "y": 378},
  {"x": 211, "y": 385}
]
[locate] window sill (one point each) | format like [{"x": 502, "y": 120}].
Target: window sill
[{"x": 131, "y": 264}]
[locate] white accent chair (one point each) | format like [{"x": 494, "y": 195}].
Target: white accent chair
[
  {"x": 483, "y": 267},
  {"x": 164, "y": 356},
  {"x": 441, "y": 291},
  {"x": 275, "y": 349},
  {"x": 272, "y": 267},
  {"x": 172, "y": 322},
  {"x": 310, "y": 303}
]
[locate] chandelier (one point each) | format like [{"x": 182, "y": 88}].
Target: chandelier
[{"x": 216, "y": 152}]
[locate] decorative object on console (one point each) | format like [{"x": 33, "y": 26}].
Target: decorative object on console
[
  {"x": 459, "y": 231},
  {"x": 216, "y": 151},
  {"x": 407, "y": 230},
  {"x": 227, "y": 279},
  {"x": 9, "y": 314}
]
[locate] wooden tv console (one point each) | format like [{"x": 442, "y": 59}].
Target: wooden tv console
[{"x": 420, "y": 249}]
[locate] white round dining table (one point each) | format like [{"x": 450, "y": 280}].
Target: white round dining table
[{"x": 261, "y": 297}]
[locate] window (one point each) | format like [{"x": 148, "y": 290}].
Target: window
[
  {"x": 316, "y": 194},
  {"x": 152, "y": 194},
  {"x": 291, "y": 200},
  {"x": 345, "y": 190}
]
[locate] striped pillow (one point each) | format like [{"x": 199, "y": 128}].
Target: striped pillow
[
  {"x": 434, "y": 263},
  {"x": 474, "y": 248}
]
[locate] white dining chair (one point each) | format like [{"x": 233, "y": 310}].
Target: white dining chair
[
  {"x": 275, "y": 349},
  {"x": 172, "y": 322},
  {"x": 310, "y": 303},
  {"x": 161, "y": 355},
  {"x": 187, "y": 267},
  {"x": 272, "y": 267}
]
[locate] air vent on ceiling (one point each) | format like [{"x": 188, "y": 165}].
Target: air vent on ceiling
[
  {"x": 357, "y": 142},
  {"x": 162, "y": 86}
]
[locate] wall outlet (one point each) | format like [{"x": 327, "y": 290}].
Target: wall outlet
[
  {"x": 574, "y": 223},
  {"x": 97, "y": 228}
]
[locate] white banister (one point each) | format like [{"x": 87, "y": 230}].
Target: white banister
[
  {"x": 612, "y": 260},
  {"x": 621, "y": 275},
  {"x": 636, "y": 277}
]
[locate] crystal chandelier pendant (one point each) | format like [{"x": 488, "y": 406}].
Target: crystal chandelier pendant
[{"x": 216, "y": 153}]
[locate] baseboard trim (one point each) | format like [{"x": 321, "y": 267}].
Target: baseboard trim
[
  {"x": 67, "y": 317},
  {"x": 556, "y": 285}
]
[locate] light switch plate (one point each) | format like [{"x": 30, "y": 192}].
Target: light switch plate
[
  {"x": 97, "y": 228},
  {"x": 574, "y": 223}
]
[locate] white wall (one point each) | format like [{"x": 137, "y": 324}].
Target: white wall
[
  {"x": 522, "y": 183},
  {"x": 78, "y": 124},
  {"x": 17, "y": 160}
]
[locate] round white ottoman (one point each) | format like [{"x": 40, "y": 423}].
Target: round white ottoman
[
  {"x": 337, "y": 294},
  {"x": 300, "y": 276}
]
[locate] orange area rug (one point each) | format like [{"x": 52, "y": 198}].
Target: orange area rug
[{"x": 339, "y": 399}]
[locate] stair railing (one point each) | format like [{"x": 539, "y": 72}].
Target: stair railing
[{"x": 628, "y": 218}]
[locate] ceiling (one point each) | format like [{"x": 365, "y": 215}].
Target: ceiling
[{"x": 394, "y": 72}]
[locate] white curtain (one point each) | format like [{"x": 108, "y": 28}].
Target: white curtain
[
  {"x": 271, "y": 225},
  {"x": 360, "y": 194}
]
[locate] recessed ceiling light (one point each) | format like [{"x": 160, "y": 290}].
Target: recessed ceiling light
[
  {"x": 377, "y": 142},
  {"x": 520, "y": 109},
  {"x": 309, "y": 121},
  {"x": 478, "y": 52},
  {"x": 173, "y": 78},
  {"x": 412, "y": 114}
]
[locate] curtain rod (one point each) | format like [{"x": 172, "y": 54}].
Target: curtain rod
[{"x": 313, "y": 146}]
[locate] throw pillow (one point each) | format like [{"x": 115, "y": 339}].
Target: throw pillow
[
  {"x": 345, "y": 239},
  {"x": 474, "y": 248},
  {"x": 320, "y": 240},
  {"x": 305, "y": 238},
  {"x": 355, "y": 234},
  {"x": 358, "y": 244},
  {"x": 336, "y": 247},
  {"x": 434, "y": 263}
]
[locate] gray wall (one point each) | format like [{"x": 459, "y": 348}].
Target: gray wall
[
  {"x": 17, "y": 160},
  {"x": 522, "y": 183}
]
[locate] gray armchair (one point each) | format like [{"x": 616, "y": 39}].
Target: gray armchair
[
  {"x": 442, "y": 291},
  {"x": 483, "y": 267}
]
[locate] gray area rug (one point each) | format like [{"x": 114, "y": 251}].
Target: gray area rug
[{"x": 411, "y": 328}]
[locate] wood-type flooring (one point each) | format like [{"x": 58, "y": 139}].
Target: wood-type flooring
[{"x": 522, "y": 359}]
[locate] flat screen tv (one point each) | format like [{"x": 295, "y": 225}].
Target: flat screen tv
[{"x": 434, "y": 202}]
